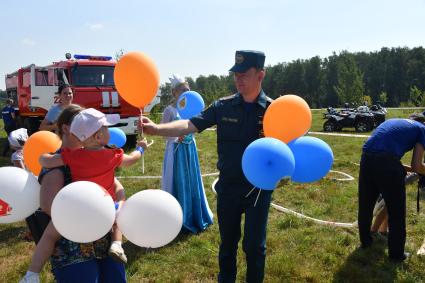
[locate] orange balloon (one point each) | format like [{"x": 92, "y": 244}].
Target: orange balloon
[
  {"x": 136, "y": 79},
  {"x": 287, "y": 118},
  {"x": 37, "y": 144}
]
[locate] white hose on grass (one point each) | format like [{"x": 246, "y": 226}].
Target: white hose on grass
[{"x": 300, "y": 215}]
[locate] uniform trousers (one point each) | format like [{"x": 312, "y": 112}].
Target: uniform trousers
[{"x": 231, "y": 204}]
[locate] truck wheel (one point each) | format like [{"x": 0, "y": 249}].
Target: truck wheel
[{"x": 329, "y": 126}]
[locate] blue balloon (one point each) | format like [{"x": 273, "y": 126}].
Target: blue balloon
[
  {"x": 313, "y": 159},
  {"x": 117, "y": 137},
  {"x": 190, "y": 104},
  {"x": 267, "y": 160}
]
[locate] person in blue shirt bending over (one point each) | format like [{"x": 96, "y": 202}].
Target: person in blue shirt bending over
[
  {"x": 8, "y": 116},
  {"x": 381, "y": 172}
]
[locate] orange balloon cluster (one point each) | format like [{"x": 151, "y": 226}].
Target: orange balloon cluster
[
  {"x": 287, "y": 118},
  {"x": 136, "y": 79},
  {"x": 37, "y": 144}
]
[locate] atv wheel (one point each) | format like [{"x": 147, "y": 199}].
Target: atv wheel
[
  {"x": 363, "y": 126},
  {"x": 329, "y": 126}
]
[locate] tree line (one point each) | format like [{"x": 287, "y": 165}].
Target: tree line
[{"x": 391, "y": 77}]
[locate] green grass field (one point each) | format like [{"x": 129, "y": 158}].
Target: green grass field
[{"x": 297, "y": 250}]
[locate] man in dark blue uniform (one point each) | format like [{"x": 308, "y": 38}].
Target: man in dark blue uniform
[
  {"x": 239, "y": 120},
  {"x": 381, "y": 172},
  {"x": 8, "y": 116}
]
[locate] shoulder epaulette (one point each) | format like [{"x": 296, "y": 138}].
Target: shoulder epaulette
[{"x": 227, "y": 97}]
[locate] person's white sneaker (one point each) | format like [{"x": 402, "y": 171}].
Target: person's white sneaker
[
  {"x": 30, "y": 278},
  {"x": 117, "y": 253}
]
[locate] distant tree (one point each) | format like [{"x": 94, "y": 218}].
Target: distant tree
[
  {"x": 383, "y": 98},
  {"x": 386, "y": 76},
  {"x": 330, "y": 98},
  {"x": 313, "y": 81},
  {"x": 166, "y": 97},
  {"x": 416, "y": 96},
  {"x": 350, "y": 86}
]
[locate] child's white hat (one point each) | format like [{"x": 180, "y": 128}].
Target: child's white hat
[
  {"x": 89, "y": 121},
  {"x": 18, "y": 137}
]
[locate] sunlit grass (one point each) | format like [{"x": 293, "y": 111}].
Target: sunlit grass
[{"x": 298, "y": 250}]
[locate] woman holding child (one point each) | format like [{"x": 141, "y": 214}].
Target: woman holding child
[{"x": 73, "y": 262}]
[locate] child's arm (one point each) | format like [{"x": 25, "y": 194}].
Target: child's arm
[
  {"x": 119, "y": 190},
  {"x": 130, "y": 159},
  {"x": 51, "y": 160}
]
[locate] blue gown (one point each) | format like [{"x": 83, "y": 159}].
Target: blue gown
[{"x": 187, "y": 186}]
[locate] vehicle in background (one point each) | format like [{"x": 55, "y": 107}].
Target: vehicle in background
[
  {"x": 379, "y": 114},
  {"x": 33, "y": 88},
  {"x": 360, "y": 118}
]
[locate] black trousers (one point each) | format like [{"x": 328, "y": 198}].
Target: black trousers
[
  {"x": 230, "y": 208},
  {"x": 383, "y": 174}
]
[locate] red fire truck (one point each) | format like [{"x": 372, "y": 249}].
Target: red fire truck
[{"x": 33, "y": 88}]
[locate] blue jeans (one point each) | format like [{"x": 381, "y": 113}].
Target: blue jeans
[{"x": 93, "y": 271}]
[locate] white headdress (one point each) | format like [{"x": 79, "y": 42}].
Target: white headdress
[
  {"x": 176, "y": 80},
  {"x": 18, "y": 137}
]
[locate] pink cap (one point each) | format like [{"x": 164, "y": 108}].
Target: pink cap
[{"x": 89, "y": 121}]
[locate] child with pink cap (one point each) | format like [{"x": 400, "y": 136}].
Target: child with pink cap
[{"x": 93, "y": 162}]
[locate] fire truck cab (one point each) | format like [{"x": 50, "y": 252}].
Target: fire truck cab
[{"x": 33, "y": 88}]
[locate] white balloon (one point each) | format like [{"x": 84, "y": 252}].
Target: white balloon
[
  {"x": 19, "y": 194},
  {"x": 83, "y": 212},
  {"x": 150, "y": 218}
]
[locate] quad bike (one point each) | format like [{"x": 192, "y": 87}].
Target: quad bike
[
  {"x": 361, "y": 119},
  {"x": 379, "y": 113}
]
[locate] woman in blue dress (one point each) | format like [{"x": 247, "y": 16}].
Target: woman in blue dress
[{"x": 181, "y": 174}]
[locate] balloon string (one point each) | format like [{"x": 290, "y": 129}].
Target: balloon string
[
  {"x": 255, "y": 203},
  {"x": 141, "y": 134},
  {"x": 250, "y": 192}
]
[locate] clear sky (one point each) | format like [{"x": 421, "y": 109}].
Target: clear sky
[{"x": 199, "y": 37}]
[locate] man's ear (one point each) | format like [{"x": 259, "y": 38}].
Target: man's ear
[
  {"x": 261, "y": 74},
  {"x": 97, "y": 135}
]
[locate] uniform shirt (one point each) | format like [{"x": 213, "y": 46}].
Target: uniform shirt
[
  {"x": 396, "y": 137},
  {"x": 238, "y": 124},
  {"x": 6, "y": 115},
  {"x": 53, "y": 113},
  {"x": 96, "y": 166}
]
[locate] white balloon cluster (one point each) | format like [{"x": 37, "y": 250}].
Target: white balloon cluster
[
  {"x": 19, "y": 194},
  {"x": 84, "y": 212},
  {"x": 150, "y": 218}
]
